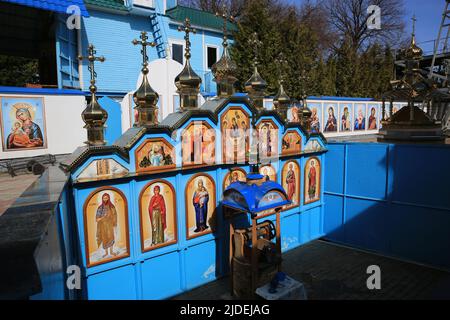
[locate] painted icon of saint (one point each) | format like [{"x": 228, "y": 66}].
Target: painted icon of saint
[
  {"x": 360, "y": 121},
  {"x": 106, "y": 218},
  {"x": 331, "y": 125},
  {"x": 25, "y": 133},
  {"x": 315, "y": 122},
  {"x": 157, "y": 213},
  {"x": 294, "y": 115},
  {"x": 291, "y": 182},
  {"x": 155, "y": 156},
  {"x": 345, "y": 120},
  {"x": 312, "y": 181},
  {"x": 200, "y": 201},
  {"x": 372, "y": 120},
  {"x": 266, "y": 141}
]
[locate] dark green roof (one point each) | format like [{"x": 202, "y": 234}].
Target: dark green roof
[
  {"x": 108, "y": 4},
  {"x": 198, "y": 18}
]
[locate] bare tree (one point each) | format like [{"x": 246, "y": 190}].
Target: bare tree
[
  {"x": 349, "y": 20},
  {"x": 235, "y": 6},
  {"x": 314, "y": 15}
]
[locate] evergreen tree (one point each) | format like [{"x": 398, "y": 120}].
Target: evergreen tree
[{"x": 257, "y": 18}]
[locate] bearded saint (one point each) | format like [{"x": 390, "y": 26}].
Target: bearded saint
[
  {"x": 290, "y": 181},
  {"x": 106, "y": 218}
]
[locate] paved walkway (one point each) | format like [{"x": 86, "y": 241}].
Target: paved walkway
[
  {"x": 12, "y": 188},
  {"x": 333, "y": 272}
]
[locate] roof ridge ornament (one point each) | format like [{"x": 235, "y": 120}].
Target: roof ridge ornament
[
  {"x": 94, "y": 116},
  {"x": 188, "y": 82},
  {"x": 282, "y": 101},
  {"x": 145, "y": 98},
  {"x": 414, "y": 52},
  {"x": 225, "y": 69},
  {"x": 256, "y": 85}
]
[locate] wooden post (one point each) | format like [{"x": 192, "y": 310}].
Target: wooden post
[
  {"x": 391, "y": 108},
  {"x": 231, "y": 250},
  {"x": 254, "y": 256},
  {"x": 278, "y": 234}
]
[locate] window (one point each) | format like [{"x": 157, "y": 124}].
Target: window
[
  {"x": 211, "y": 55},
  {"x": 177, "y": 52}
]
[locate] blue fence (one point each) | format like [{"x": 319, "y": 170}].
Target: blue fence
[{"x": 392, "y": 199}]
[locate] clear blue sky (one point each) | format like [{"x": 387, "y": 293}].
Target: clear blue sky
[{"x": 428, "y": 13}]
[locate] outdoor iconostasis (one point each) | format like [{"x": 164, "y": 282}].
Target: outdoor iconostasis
[{"x": 151, "y": 210}]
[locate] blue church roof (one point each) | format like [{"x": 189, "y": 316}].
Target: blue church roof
[
  {"x": 53, "y": 5},
  {"x": 255, "y": 198}
]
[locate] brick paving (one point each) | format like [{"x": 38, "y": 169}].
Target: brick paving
[
  {"x": 334, "y": 272},
  {"x": 12, "y": 188}
]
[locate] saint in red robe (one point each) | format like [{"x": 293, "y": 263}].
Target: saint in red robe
[{"x": 157, "y": 213}]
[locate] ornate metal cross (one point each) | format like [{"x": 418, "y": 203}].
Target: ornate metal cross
[
  {"x": 187, "y": 29},
  {"x": 92, "y": 58},
  {"x": 255, "y": 43},
  {"x": 414, "y": 19},
  {"x": 144, "y": 43},
  {"x": 226, "y": 18},
  {"x": 282, "y": 64}
]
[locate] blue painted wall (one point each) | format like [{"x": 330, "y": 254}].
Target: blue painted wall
[
  {"x": 114, "y": 123},
  {"x": 112, "y": 34},
  {"x": 392, "y": 199}
]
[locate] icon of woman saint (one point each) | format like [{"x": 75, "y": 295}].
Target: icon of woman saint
[
  {"x": 372, "y": 120},
  {"x": 331, "y": 124},
  {"x": 106, "y": 219},
  {"x": 345, "y": 120},
  {"x": 157, "y": 214},
  {"x": 200, "y": 201},
  {"x": 315, "y": 122},
  {"x": 25, "y": 133}
]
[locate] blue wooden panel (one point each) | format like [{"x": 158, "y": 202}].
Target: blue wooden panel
[
  {"x": 333, "y": 216},
  {"x": 367, "y": 224},
  {"x": 161, "y": 277},
  {"x": 201, "y": 261},
  {"x": 116, "y": 284},
  {"x": 114, "y": 123},
  {"x": 310, "y": 225},
  {"x": 289, "y": 232},
  {"x": 422, "y": 175},
  {"x": 421, "y": 234},
  {"x": 367, "y": 172},
  {"x": 334, "y": 177}
]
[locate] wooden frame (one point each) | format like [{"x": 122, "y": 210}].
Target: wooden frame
[
  {"x": 319, "y": 182},
  {"x": 209, "y": 127},
  {"x": 159, "y": 168},
  {"x": 254, "y": 254},
  {"x": 141, "y": 194},
  {"x": 222, "y": 136},
  {"x": 288, "y": 153},
  {"x": 44, "y": 123},
  {"x": 298, "y": 184},
  {"x": 86, "y": 235},
  {"x": 187, "y": 202},
  {"x": 228, "y": 175}
]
